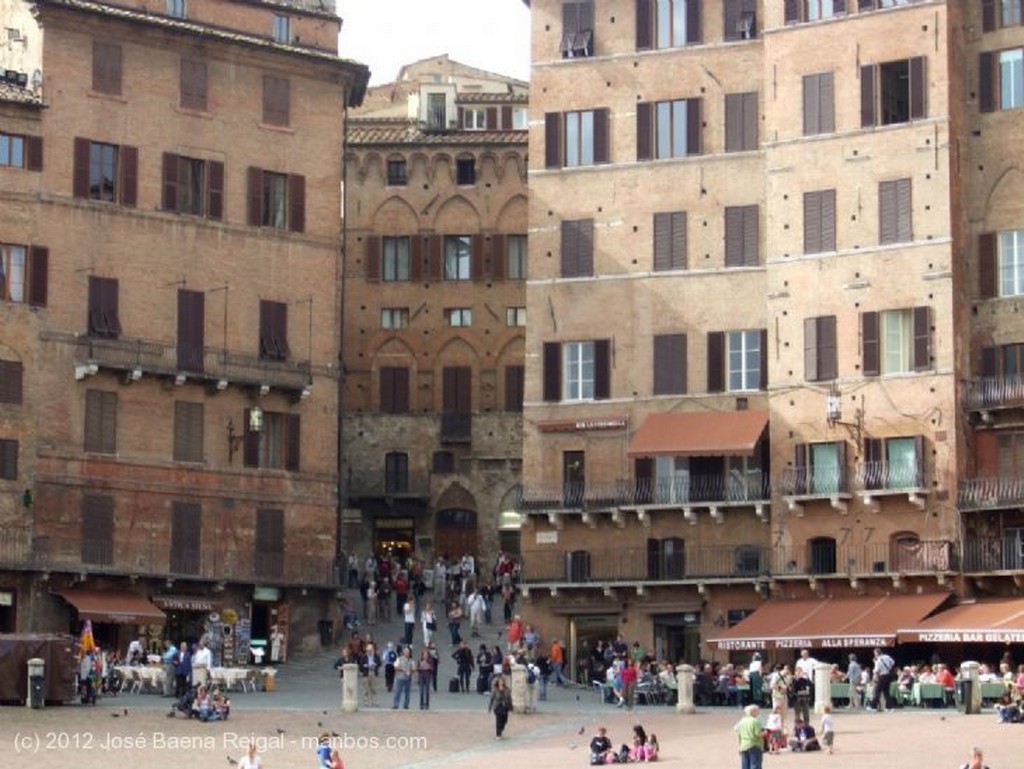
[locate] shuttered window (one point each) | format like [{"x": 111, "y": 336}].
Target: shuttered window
[
  {"x": 515, "y": 380},
  {"x": 457, "y": 389},
  {"x": 11, "y": 373},
  {"x": 796, "y": 11},
  {"x": 577, "y": 248},
  {"x": 552, "y": 371},
  {"x": 193, "y": 186},
  {"x": 277, "y": 200},
  {"x": 741, "y": 119},
  {"x": 97, "y": 529},
  {"x": 670, "y": 364},
  {"x": 269, "y": 540},
  {"x": 576, "y": 138},
  {"x": 997, "y": 14},
  {"x": 820, "y": 364},
  {"x": 186, "y": 538},
  {"x": 747, "y": 359},
  {"x": 577, "y": 29},
  {"x": 667, "y": 23},
  {"x": 394, "y": 389},
  {"x": 106, "y": 172},
  {"x": 893, "y": 92},
  {"x": 670, "y": 241},
  {"x": 273, "y": 330},
  {"x": 103, "y": 316},
  {"x": 276, "y": 100},
  {"x": 819, "y": 104},
  {"x": 396, "y": 472},
  {"x": 716, "y": 361},
  {"x": 895, "y": 220},
  {"x": 101, "y": 421},
  {"x": 191, "y": 331},
  {"x": 819, "y": 221},
  {"x": 24, "y": 274},
  {"x": 17, "y": 151},
  {"x": 1001, "y": 80},
  {"x": 106, "y": 68},
  {"x": 192, "y": 88},
  {"x": 586, "y": 370},
  {"x": 276, "y": 445},
  {"x": 8, "y": 459},
  {"x": 739, "y": 19},
  {"x": 741, "y": 236},
  {"x": 188, "y": 432},
  {"x": 1011, "y": 262},
  {"x": 668, "y": 129},
  {"x": 896, "y": 341}
]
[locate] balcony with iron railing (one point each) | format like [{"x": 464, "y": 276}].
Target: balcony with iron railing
[
  {"x": 222, "y": 367},
  {"x": 992, "y": 554},
  {"x": 798, "y": 485},
  {"x": 882, "y": 479},
  {"x": 20, "y": 551},
  {"x": 994, "y": 392},
  {"x": 990, "y": 493},
  {"x": 824, "y": 557}
]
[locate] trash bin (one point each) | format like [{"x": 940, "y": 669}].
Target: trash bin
[
  {"x": 326, "y": 632},
  {"x": 269, "y": 680},
  {"x": 967, "y": 696},
  {"x": 36, "y": 682}
]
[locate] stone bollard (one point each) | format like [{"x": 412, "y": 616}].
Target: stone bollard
[
  {"x": 684, "y": 689},
  {"x": 971, "y": 687},
  {"x": 520, "y": 690},
  {"x": 822, "y": 686},
  {"x": 350, "y": 687}
]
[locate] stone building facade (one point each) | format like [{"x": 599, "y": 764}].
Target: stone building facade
[{"x": 171, "y": 316}]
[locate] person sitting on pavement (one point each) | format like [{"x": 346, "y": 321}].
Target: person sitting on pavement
[
  {"x": 601, "y": 749},
  {"x": 804, "y": 739}
]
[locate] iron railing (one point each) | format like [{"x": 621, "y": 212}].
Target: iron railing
[
  {"x": 994, "y": 392},
  {"x": 993, "y": 554},
  {"x": 824, "y": 557},
  {"x": 812, "y": 481},
  {"x": 890, "y": 476},
  {"x": 986, "y": 493},
  {"x": 642, "y": 565}
]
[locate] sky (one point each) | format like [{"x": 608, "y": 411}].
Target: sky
[{"x": 386, "y": 34}]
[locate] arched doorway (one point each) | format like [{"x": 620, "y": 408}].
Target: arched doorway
[{"x": 455, "y": 533}]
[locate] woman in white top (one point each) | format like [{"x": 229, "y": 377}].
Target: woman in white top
[{"x": 429, "y": 621}]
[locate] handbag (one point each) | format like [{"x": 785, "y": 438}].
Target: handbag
[{"x": 431, "y": 625}]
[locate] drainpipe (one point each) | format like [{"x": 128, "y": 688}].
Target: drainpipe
[{"x": 342, "y": 373}]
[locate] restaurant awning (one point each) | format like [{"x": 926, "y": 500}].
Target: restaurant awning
[
  {"x": 827, "y": 623},
  {"x": 117, "y": 607},
  {"x": 987, "y": 621},
  {"x": 699, "y": 434}
]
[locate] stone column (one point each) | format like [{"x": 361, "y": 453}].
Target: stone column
[
  {"x": 520, "y": 690},
  {"x": 350, "y": 687},
  {"x": 971, "y": 687},
  {"x": 684, "y": 689},
  {"x": 822, "y": 686}
]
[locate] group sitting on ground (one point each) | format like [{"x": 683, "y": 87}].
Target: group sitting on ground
[
  {"x": 211, "y": 705},
  {"x": 644, "y": 748}
]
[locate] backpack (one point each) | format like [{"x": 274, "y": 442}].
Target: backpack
[{"x": 531, "y": 676}]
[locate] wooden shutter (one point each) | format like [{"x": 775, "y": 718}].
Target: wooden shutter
[
  {"x": 811, "y": 349},
  {"x": 436, "y": 258},
  {"x": 291, "y": 460},
  {"x": 922, "y": 339},
  {"x": 250, "y": 443},
  {"x": 11, "y": 375},
  {"x": 800, "y": 461},
  {"x": 552, "y": 371},
  {"x": 186, "y": 539},
  {"x": 128, "y": 162},
  {"x": 373, "y": 257},
  {"x": 870, "y": 348},
  {"x": 812, "y": 222},
  {"x": 570, "y": 249},
  {"x": 987, "y": 282},
  {"x": 492, "y": 118},
  {"x": 733, "y": 122},
  {"x": 476, "y": 251},
  {"x": 514, "y": 381},
  {"x": 170, "y": 182},
  {"x": 662, "y": 242},
  {"x": 918, "y": 88},
  {"x": 919, "y": 460},
  {"x": 989, "y": 361},
  {"x": 499, "y": 254},
  {"x": 828, "y": 219},
  {"x": 585, "y": 247},
  {"x": 841, "y": 462},
  {"x": 506, "y": 118},
  {"x": 296, "y": 202},
  {"x": 867, "y": 95},
  {"x": 986, "y": 81},
  {"x": 188, "y": 431},
  {"x": 716, "y": 361},
  {"x": 101, "y": 421},
  {"x": 670, "y": 364},
  {"x": 763, "y": 363},
  {"x": 694, "y": 33},
  {"x": 191, "y": 330},
  {"x": 644, "y": 25},
  {"x": 731, "y": 10},
  {"x": 904, "y": 211},
  {"x": 192, "y": 86},
  {"x": 97, "y": 536},
  {"x": 749, "y": 102},
  {"x": 38, "y": 276},
  {"x": 828, "y": 359},
  {"x": 988, "y": 15},
  {"x": 34, "y": 153},
  {"x": 416, "y": 249},
  {"x": 888, "y": 225},
  {"x": 270, "y": 532},
  {"x": 693, "y": 127},
  {"x": 80, "y": 175},
  {"x": 255, "y": 184},
  {"x": 215, "y": 190},
  {"x": 275, "y": 100},
  {"x": 826, "y": 103},
  {"x": 553, "y": 140},
  {"x": 601, "y": 128},
  {"x": 866, "y": 5},
  {"x": 602, "y": 369},
  {"x": 812, "y": 104},
  {"x": 8, "y": 459},
  {"x": 643, "y": 131},
  {"x": 751, "y": 235},
  {"x": 387, "y": 390},
  {"x": 792, "y": 11}
]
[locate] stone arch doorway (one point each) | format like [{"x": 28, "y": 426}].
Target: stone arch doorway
[{"x": 455, "y": 533}]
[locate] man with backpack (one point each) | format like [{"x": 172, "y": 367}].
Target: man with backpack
[{"x": 884, "y": 665}]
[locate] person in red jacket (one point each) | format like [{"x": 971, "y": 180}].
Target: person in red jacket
[{"x": 515, "y": 632}]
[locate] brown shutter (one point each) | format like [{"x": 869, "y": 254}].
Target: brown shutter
[
  {"x": 904, "y": 211},
  {"x": 693, "y": 23},
  {"x": 989, "y": 361},
  {"x": 919, "y": 459},
  {"x": 733, "y": 122},
  {"x": 670, "y": 364},
  {"x": 812, "y": 222},
  {"x": 812, "y": 104},
  {"x": 601, "y": 128},
  {"x": 792, "y": 11},
  {"x": 841, "y": 461},
  {"x": 800, "y": 461},
  {"x": 460, "y": 116},
  {"x": 255, "y": 179},
  {"x": 585, "y": 247},
  {"x": 734, "y": 236},
  {"x": 602, "y": 369},
  {"x": 250, "y": 444},
  {"x": 828, "y": 220},
  {"x": 114, "y": 70},
  {"x": 387, "y": 390},
  {"x": 553, "y": 140},
  {"x": 34, "y": 153},
  {"x": 39, "y": 275},
  {"x": 662, "y": 242},
  {"x": 750, "y": 120},
  {"x": 514, "y": 376},
  {"x": 763, "y": 364},
  {"x": 215, "y": 190},
  {"x": 552, "y": 371},
  {"x": 644, "y": 26},
  {"x": 291, "y": 461},
  {"x": 80, "y": 176},
  {"x": 416, "y": 248},
  {"x": 492, "y": 118},
  {"x": 828, "y": 361},
  {"x": 499, "y": 253},
  {"x": 918, "y": 88},
  {"x": 679, "y": 254},
  {"x": 986, "y": 82},
  {"x": 401, "y": 390},
  {"x": 11, "y": 375},
  {"x": 436, "y": 264},
  {"x": 988, "y": 15},
  {"x": 888, "y": 224},
  {"x": 716, "y": 361},
  {"x": 570, "y": 249},
  {"x": 9, "y": 459},
  {"x": 867, "y": 95},
  {"x": 922, "y": 337},
  {"x": 296, "y": 203},
  {"x": 751, "y": 235},
  {"x": 476, "y": 251},
  {"x": 373, "y": 257},
  {"x": 987, "y": 284},
  {"x": 170, "y": 182},
  {"x": 128, "y": 158},
  {"x": 506, "y": 118},
  {"x": 449, "y": 390},
  {"x": 643, "y": 130},
  {"x": 811, "y": 349},
  {"x": 870, "y": 352},
  {"x": 191, "y": 329},
  {"x": 693, "y": 127},
  {"x": 826, "y": 103},
  {"x": 866, "y": 5}
]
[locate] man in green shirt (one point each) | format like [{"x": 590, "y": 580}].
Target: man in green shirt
[{"x": 751, "y": 738}]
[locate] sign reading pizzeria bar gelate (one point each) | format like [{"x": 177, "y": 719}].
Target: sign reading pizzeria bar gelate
[{"x": 584, "y": 425}]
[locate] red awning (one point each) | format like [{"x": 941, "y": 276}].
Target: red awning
[
  {"x": 699, "y": 434},
  {"x": 827, "y": 623},
  {"x": 989, "y": 621},
  {"x": 117, "y": 607}
]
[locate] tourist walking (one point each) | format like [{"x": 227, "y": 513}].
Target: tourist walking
[
  {"x": 501, "y": 705},
  {"x": 425, "y": 673},
  {"x": 751, "y": 738},
  {"x": 404, "y": 667}
]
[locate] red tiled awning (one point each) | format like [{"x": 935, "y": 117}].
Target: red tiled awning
[
  {"x": 117, "y": 607},
  {"x": 990, "y": 621},
  {"x": 827, "y": 623},
  {"x": 699, "y": 434}
]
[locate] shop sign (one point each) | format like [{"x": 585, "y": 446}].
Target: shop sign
[
  {"x": 740, "y": 645},
  {"x": 6, "y": 598},
  {"x": 584, "y": 425},
  {"x": 185, "y": 603},
  {"x": 547, "y": 537},
  {"x": 266, "y": 594},
  {"x": 844, "y": 642},
  {"x": 393, "y": 523},
  {"x": 976, "y": 636}
]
